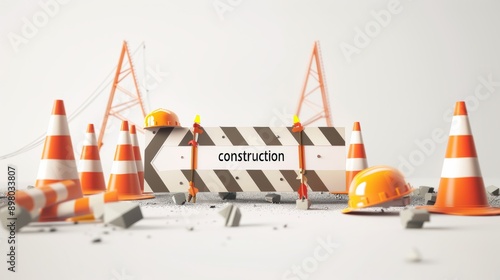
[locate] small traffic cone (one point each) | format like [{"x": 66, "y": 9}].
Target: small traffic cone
[
  {"x": 461, "y": 189},
  {"x": 58, "y": 159},
  {"x": 138, "y": 158},
  {"x": 123, "y": 177},
  {"x": 89, "y": 166},
  {"x": 356, "y": 158}
]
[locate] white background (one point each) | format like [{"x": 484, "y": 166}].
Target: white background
[{"x": 245, "y": 67}]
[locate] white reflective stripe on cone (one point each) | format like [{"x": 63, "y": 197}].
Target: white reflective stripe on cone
[
  {"x": 461, "y": 168},
  {"x": 88, "y": 165},
  {"x": 66, "y": 209},
  {"x": 124, "y": 138},
  {"x": 355, "y": 164},
  {"x": 57, "y": 169},
  {"x": 58, "y": 126},
  {"x": 139, "y": 166},
  {"x": 124, "y": 167},
  {"x": 460, "y": 126},
  {"x": 90, "y": 140},
  {"x": 38, "y": 197},
  {"x": 61, "y": 191},
  {"x": 356, "y": 137}
]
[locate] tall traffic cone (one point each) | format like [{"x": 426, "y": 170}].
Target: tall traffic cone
[
  {"x": 461, "y": 189},
  {"x": 123, "y": 177},
  {"x": 138, "y": 158},
  {"x": 89, "y": 166},
  {"x": 58, "y": 160},
  {"x": 356, "y": 157}
]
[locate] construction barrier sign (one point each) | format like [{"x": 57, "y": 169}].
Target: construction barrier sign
[{"x": 245, "y": 159}]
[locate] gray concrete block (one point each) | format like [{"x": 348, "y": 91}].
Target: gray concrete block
[
  {"x": 227, "y": 195},
  {"x": 232, "y": 215},
  {"x": 273, "y": 198},
  {"x": 495, "y": 191},
  {"x": 17, "y": 221},
  {"x": 122, "y": 214},
  {"x": 430, "y": 198},
  {"x": 414, "y": 218},
  {"x": 179, "y": 198},
  {"x": 302, "y": 204}
]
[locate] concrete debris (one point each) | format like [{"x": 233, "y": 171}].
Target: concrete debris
[
  {"x": 413, "y": 255},
  {"x": 422, "y": 190},
  {"x": 494, "y": 191},
  {"x": 232, "y": 215},
  {"x": 430, "y": 198},
  {"x": 179, "y": 198},
  {"x": 122, "y": 214},
  {"x": 22, "y": 216},
  {"x": 302, "y": 204},
  {"x": 414, "y": 218},
  {"x": 227, "y": 195},
  {"x": 273, "y": 198}
]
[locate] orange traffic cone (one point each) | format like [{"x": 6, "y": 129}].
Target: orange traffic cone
[
  {"x": 356, "y": 158},
  {"x": 91, "y": 175},
  {"x": 138, "y": 158},
  {"x": 123, "y": 177},
  {"x": 461, "y": 190},
  {"x": 79, "y": 209},
  {"x": 45, "y": 196},
  {"x": 58, "y": 160}
]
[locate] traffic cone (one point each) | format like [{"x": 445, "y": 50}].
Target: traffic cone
[
  {"x": 78, "y": 209},
  {"x": 138, "y": 158},
  {"x": 461, "y": 189},
  {"x": 356, "y": 157},
  {"x": 89, "y": 166},
  {"x": 45, "y": 196},
  {"x": 123, "y": 177},
  {"x": 58, "y": 160}
]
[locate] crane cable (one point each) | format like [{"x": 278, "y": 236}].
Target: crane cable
[{"x": 39, "y": 140}]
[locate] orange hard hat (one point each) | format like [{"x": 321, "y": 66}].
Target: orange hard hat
[
  {"x": 376, "y": 185},
  {"x": 160, "y": 118}
]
